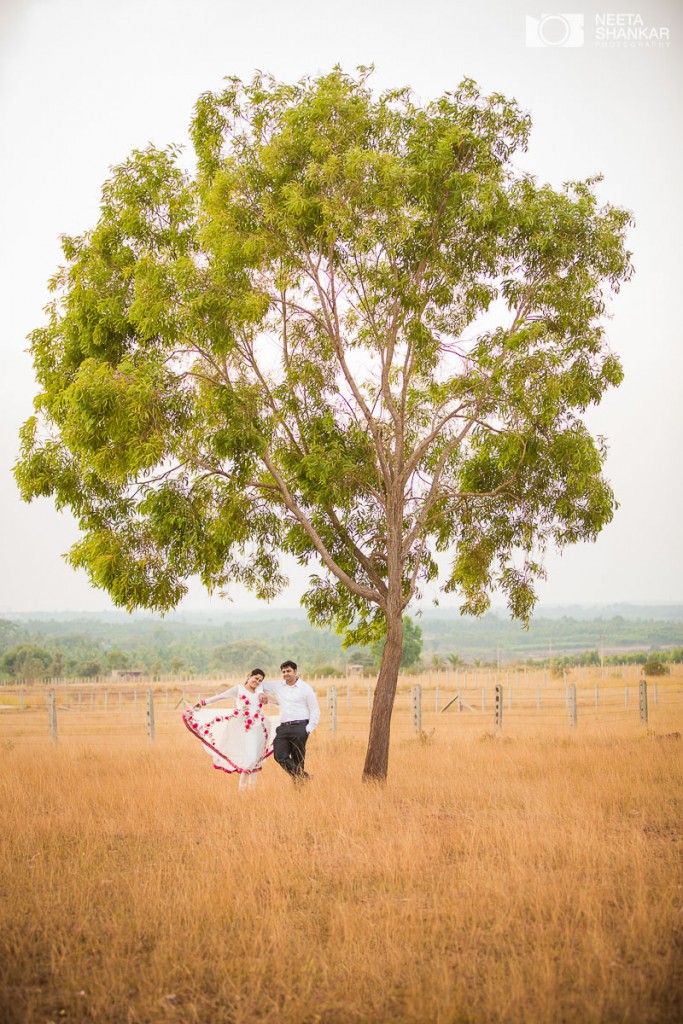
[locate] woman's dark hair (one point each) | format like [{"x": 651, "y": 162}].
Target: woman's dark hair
[
  {"x": 289, "y": 664},
  {"x": 258, "y": 672}
]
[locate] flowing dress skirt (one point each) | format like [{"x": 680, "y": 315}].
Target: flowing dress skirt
[{"x": 238, "y": 740}]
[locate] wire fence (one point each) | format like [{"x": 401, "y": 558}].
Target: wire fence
[
  {"x": 448, "y": 704},
  {"x": 431, "y": 678}
]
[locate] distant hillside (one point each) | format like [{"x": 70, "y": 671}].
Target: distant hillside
[
  {"x": 547, "y": 636},
  {"x": 230, "y": 641},
  {"x": 644, "y": 612},
  {"x": 228, "y": 614}
]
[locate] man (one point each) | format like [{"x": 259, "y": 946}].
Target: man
[{"x": 299, "y": 715}]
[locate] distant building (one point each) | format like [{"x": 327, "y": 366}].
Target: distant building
[{"x": 127, "y": 673}]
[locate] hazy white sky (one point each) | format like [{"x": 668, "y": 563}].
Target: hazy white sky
[{"x": 82, "y": 82}]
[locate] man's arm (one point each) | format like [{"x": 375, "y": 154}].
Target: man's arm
[{"x": 313, "y": 709}]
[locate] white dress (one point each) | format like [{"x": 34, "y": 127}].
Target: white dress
[{"x": 238, "y": 739}]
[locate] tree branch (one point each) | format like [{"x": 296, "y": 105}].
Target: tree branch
[
  {"x": 337, "y": 344},
  {"x": 421, "y": 450},
  {"x": 360, "y": 556},
  {"x": 414, "y": 575},
  {"x": 429, "y": 500},
  {"x": 356, "y": 588},
  {"x": 431, "y": 497}
]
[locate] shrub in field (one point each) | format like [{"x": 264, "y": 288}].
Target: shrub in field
[
  {"x": 654, "y": 667},
  {"x": 89, "y": 669}
]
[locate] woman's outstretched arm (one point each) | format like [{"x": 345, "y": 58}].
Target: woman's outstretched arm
[{"x": 232, "y": 692}]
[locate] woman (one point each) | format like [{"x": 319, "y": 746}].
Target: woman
[{"x": 238, "y": 740}]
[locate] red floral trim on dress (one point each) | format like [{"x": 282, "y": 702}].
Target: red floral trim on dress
[
  {"x": 251, "y": 719},
  {"x": 242, "y": 771}
]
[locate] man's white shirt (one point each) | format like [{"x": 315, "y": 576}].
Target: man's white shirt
[{"x": 297, "y": 702}]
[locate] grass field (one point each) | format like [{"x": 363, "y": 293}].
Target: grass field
[{"x": 520, "y": 878}]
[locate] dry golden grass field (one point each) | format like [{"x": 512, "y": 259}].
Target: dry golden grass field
[{"x": 529, "y": 876}]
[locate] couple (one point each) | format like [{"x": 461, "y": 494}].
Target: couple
[{"x": 241, "y": 739}]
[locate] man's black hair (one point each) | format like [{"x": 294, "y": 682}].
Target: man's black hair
[{"x": 289, "y": 664}]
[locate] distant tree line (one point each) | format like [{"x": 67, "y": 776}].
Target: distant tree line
[
  {"x": 93, "y": 648},
  {"x": 667, "y": 657},
  {"x": 194, "y": 646}
]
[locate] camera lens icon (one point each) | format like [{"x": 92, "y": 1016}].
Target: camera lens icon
[{"x": 554, "y": 30}]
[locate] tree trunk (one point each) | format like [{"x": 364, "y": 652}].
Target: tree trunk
[{"x": 377, "y": 757}]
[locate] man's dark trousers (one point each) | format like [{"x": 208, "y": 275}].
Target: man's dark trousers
[{"x": 289, "y": 747}]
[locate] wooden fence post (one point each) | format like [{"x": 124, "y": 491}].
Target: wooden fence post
[
  {"x": 436, "y": 697},
  {"x": 416, "y": 702},
  {"x": 332, "y": 708},
  {"x": 571, "y": 692},
  {"x": 655, "y": 692},
  {"x": 150, "y": 716},
  {"x": 597, "y": 695},
  {"x": 626, "y": 696},
  {"x": 642, "y": 700},
  {"x": 52, "y": 716},
  {"x": 369, "y": 697},
  {"x": 499, "y": 707}
]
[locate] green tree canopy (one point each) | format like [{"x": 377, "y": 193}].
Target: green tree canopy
[
  {"x": 412, "y": 645},
  {"x": 89, "y": 669},
  {"x": 356, "y": 334},
  {"x": 242, "y": 656},
  {"x": 117, "y": 659},
  {"x": 56, "y": 669},
  {"x": 26, "y": 661}
]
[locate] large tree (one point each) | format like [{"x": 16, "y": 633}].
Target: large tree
[{"x": 356, "y": 333}]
